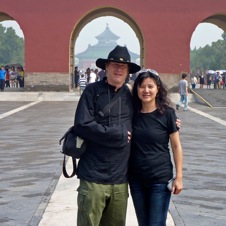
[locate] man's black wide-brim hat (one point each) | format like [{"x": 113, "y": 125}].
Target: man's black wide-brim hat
[{"x": 120, "y": 55}]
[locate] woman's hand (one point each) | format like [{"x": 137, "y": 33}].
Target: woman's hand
[
  {"x": 177, "y": 186},
  {"x": 178, "y": 123},
  {"x": 129, "y": 136}
]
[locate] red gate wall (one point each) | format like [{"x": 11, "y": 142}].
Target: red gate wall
[{"x": 167, "y": 27}]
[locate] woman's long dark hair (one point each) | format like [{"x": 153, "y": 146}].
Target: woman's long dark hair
[{"x": 162, "y": 100}]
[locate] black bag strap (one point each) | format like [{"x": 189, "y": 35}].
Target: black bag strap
[
  {"x": 97, "y": 118},
  {"x": 65, "y": 170},
  {"x": 109, "y": 105}
]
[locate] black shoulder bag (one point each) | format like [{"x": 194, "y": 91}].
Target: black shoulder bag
[{"x": 74, "y": 146}]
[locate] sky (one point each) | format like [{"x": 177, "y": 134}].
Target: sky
[{"x": 205, "y": 33}]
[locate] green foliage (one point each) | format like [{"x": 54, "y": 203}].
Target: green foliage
[
  {"x": 209, "y": 57},
  {"x": 11, "y": 47},
  {"x": 224, "y": 36}
]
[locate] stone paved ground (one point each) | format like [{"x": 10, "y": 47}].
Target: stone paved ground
[
  {"x": 30, "y": 163},
  {"x": 203, "y": 200},
  {"x": 215, "y": 97}
]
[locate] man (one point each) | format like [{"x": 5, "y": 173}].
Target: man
[
  {"x": 217, "y": 80},
  {"x": 183, "y": 90},
  {"x": 2, "y": 78},
  {"x": 76, "y": 76},
  {"x": 101, "y": 74},
  {"x": 103, "y": 168}
]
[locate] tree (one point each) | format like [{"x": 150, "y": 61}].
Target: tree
[
  {"x": 209, "y": 57},
  {"x": 224, "y": 36},
  {"x": 11, "y": 47}
]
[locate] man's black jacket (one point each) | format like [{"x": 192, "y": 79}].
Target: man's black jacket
[{"x": 106, "y": 158}]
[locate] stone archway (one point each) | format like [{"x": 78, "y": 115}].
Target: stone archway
[
  {"x": 12, "y": 52},
  {"x": 4, "y": 16},
  {"x": 100, "y": 13},
  {"x": 218, "y": 20},
  {"x": 163, "y": 30}
]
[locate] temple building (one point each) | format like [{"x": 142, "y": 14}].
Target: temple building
[{"x": 107, "y": 41}]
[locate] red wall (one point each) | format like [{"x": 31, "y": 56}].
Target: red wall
[{"x": 167, "y": 27}]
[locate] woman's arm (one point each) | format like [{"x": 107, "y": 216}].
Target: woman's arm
[{"x": 178, "y": 161}]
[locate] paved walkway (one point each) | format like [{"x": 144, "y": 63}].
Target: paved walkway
[{"x": 33, "y": 191}]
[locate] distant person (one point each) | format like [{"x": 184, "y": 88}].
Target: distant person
[
  {"x": 82, "y": 83},
  {"x": 92, "y": 77},
  {"x": 217, "y": 80},
  {"x": 133, "y": 77},
  {"x": 87, "y": 74},
  {"x": 97, "y": 75},
  {"x": 13, "y": 77},
  {"x": 16, "y": 77},
  {"x": 20, "y": 77},
  {"x": 224, "y": 80},
  {"x": 193, "y": 81},
  {"x": 7, "y": 79},
  {"x": 209, "y": 80},
  {"x": 2, "y": 78},
  {"x": 183, "y": 90},
  {"x": 76, "y": 76},
  {"x": 201, "y": 80},
  {"x": 101, "y": 74}
]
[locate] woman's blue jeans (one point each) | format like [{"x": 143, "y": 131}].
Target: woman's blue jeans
[{"x": 151, "y": 202}]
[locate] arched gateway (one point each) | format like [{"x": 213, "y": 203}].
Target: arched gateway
[{"x": 163, "y": 28}]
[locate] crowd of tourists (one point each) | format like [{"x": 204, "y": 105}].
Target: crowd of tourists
[
  {"x": 210, "y": 80},
  {"x": 11, "y": 77},
  {"x": 82, "y": 77}
]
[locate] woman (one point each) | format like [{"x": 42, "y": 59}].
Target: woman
[
  {"x": 201, "y": 80},
  {"x": 150, "y": 164},
  {"x": 13, "y": 77},
  {"x": 193, "y": 81},
  {"x": 7, "y": 76}
]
